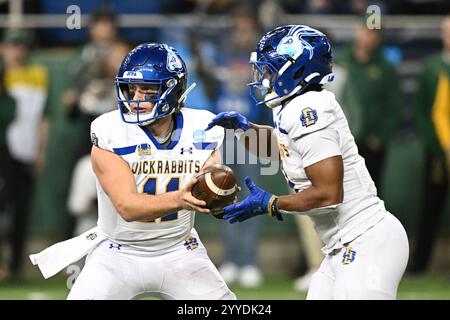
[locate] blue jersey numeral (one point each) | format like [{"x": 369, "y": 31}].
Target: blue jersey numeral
[{"x": 173, "y": 185}]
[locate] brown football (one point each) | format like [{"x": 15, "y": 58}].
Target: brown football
[{"x": 216, "y": 186}]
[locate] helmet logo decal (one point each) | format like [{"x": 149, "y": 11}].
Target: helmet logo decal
[
  {"x": 173, "y": 62},
  {"x": 293, "y": 43},
  {"x": 133, "y": 75},
  {"x": 286, "y": 59},
  {"x": 290, "y": 46}
]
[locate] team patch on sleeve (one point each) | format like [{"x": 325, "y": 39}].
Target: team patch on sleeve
[
  {"x": 308, "y": 117},
  {"x": 348, "y": 256}
]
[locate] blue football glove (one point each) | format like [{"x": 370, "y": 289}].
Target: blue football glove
[
  {"x": 258, "y": 202},
  {"x": 230, "y": 120}
]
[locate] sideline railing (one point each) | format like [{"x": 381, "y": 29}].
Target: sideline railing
[{"x": 340, "y": 25}]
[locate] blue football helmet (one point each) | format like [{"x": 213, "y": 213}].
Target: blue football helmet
[
  {"x": 151, "y": 64},
  {"x": 288, "y": 59}
]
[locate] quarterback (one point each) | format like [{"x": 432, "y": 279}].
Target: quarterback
[
  {"x": 366, "y": 248},
  {"x": 145, "y": 156}
]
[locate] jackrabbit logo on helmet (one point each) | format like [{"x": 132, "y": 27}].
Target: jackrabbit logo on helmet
[
  {"x": 173, "y": 62},
  {"x": 290, "y": 46}
]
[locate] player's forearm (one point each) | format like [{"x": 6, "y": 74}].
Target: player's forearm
[
  {"x": 259, "y": 141},
  {"x": 141, "y": 206},
  {"x": 309, "y": 199}
]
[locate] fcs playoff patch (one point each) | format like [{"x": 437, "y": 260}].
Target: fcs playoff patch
[
  {"x": 144, "y": 149},
  {"x": 308, "y": 117},
  {"x": 199, "y": 135}
]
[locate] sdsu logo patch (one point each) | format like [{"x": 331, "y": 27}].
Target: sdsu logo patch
[
  {"x": 348, "y": 256},
  {"x": 191, "y": 243},
  {"x": 308, "y": 117},
  {"x": 173, "y": 63}
]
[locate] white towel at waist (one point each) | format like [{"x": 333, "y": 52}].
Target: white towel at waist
[{"x": 58, "y": 256}]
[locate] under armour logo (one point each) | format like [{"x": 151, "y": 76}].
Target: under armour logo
[
  {"x": 115, "y": 246},
  {"x": 188, "y": 150}
]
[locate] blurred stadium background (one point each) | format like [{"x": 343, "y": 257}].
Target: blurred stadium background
[{"x": 411, "y": 31}]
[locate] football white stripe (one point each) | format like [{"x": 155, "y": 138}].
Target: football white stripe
[{"x": 211, "y": 185}]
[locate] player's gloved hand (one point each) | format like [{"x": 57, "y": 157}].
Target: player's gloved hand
[
  {"x": 258, "y": 202},
  {"x": 230, "y": 120}
]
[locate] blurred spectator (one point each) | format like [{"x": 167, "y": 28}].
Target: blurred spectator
[
  {"x": 215, "y": 6},
  {"x": 318, "y": 7},
  {"x": 89, "y": 76},
  {"x": 178, "y": 6},
  {"x": 432, "y": 117},
  {"x": 92, "y": 90},
  {"x": 184, "y": 41},
  {"x": 98, "y": 97},
  {"x": 340, "y": 74},
  {"x": 82, "y": 200},
  {"x": 26, "y": 135},
  {"x": 270, "y": 13},
  {"x": 103, "y": 33},
  {"x": 358, "y": 7},
  {"x": 7, "y": 113},
  {"x": 227, "y": 87},
  {"x": 370, "y": 97}
]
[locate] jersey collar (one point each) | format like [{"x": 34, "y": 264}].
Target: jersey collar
[{"x": 178, "y": 128}]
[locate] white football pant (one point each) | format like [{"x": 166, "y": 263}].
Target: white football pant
[
  {"x": 110, "y": 273},
  {"x": 368, "y": 268}
]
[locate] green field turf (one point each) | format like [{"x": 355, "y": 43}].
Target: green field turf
[{"x": 431, "y": 287}]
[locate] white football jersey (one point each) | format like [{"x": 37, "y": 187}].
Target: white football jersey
[
  {"x": 156, "y": 170},
  {"x": 311, "y": 128}
]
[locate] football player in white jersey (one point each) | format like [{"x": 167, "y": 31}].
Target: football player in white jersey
[
  {"x": 366, "y": 248},
  {"x": 145, "y": 156}
]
